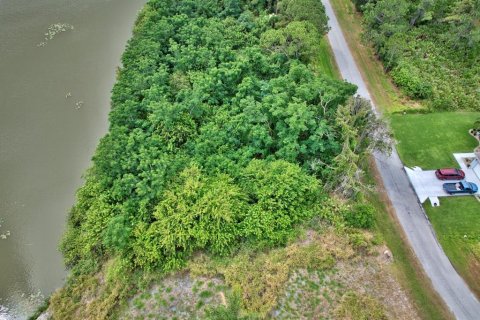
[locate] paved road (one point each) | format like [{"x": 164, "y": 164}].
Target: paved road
[{"x": 447, "y": 282}]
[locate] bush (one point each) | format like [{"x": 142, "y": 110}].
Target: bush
[
  {"x": 260, "y": 277},
  {"x": 360, "y": 216},
  {"x": 476, "y": 125},
  {"x": 197, "y": 212},
  {"x": 409, "y": 79},
  {"x": 280, "y": 195},
  {"x": 117, "y": 234},
  {"x": 215, "y": 213}
]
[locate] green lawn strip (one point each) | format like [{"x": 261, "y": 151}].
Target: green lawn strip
[
  {"x": 457, "y": 225},
  {"x": 383, "y": 91},
  {"x": 406, "y": 267},
  {"x": 429, "y": 140},
  {"x": 325, "y": 63}
]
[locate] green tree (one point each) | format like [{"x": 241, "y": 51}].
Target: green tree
[
  {"x": 280, "y": 194},
  {"x": 362, "y": 133},
  {"x": 384, "y": 19},
  {"x": 298, "y": 40},
  {"x": 465, "y": 19},
  {"x": 196, "y": 213},
  {"x": 212, "y": 130},
  {"x": 305, "y": 10},
  {"x": 117, "y": 233}
]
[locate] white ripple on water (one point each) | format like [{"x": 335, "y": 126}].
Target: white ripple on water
[
  {"x": 3, "y": 236},
  {"x": 4, "y": 313},
  {"x": 28, "y": 304},
  {"x": 52, "y": 31}
]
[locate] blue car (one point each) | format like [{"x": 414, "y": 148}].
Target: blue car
[{"x": 460, "y": 187}]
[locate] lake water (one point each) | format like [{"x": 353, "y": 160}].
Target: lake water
[{"x": 57, "y": 67}]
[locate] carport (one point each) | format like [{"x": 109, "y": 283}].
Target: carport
[{"x": 427, "y": 186}]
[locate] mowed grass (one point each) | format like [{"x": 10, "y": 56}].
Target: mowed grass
[
  {"x": 429, "y": 140},
  {"x": 324, "y": 63},
  {"x": 457, "y": 224}
]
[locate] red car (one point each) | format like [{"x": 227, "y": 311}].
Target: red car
[{"x": 450, "y": 174}]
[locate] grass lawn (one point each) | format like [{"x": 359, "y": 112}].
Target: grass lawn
[
  {"x": 428, "y": 140},
  {"x": 325, "y": 62},
  {"x": 457, "y": 224}
]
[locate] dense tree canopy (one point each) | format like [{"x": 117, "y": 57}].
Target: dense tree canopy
[
  {"x": 431, "y": 48},
  {"x": 216, "y": 122}
]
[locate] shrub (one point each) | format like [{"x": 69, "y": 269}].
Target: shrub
[
  {"x": 260, "y": 276},
  {"x": 280, "y": 195},
  {"x": 411, "y": 82},
  {"x": 215, "y": 212},
  {"x": 117, "y": 233},
  {"x": 197, "y": 212},
  {"x": 476, "y": 125},
  {"x": 359, "y": 216}
]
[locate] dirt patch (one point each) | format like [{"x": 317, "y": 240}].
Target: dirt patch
[
  {"x": 309, "y": 279},
  {"x": 308, "y": 238},
  {"x": 317, "y": 294},
  {"x": 176, "y": 297},
  {"x": 368, "y": 276},
  {"x": 309, "y": 295}
]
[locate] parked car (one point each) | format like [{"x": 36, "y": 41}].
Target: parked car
[
  {"x": 450, "y": 174},
  {"x": 460, "y": 187}
]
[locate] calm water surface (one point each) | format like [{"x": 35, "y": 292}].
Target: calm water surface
[{"x": 54, "y": 100}]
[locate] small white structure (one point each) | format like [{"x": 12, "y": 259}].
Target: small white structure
[{"x": 434, "y": 201}]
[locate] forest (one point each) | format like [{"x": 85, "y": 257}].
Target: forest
[
  {"x": 219, "y": 134},
  {"x": 222, "y": 135},
  {"x": 430, "y": 48}
]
